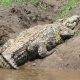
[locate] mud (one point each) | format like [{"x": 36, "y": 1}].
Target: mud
[
  {"x": 28, "y": 73},
  {"x": 16, "y": 18},
  {"x": 66, "y": 56}
]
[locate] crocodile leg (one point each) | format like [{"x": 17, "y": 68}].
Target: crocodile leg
[
  {"x": 42, "y": 50},
  {"x": 4, "y": 63}
]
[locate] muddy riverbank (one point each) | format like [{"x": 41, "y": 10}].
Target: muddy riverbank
[
  {"x": 39, "y": 74},
  {"x": 15, "y": 19}
]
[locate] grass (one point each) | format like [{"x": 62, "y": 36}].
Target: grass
[
  {"x": 67, "y": 8},
  {"x": 27, "y": 1},
  {"x": 7, "y": 2},
  {"x": 37, "y": 3},
  {"x": 76, "y": 32},
  {"x": 10, "y": 2},
  {"x": 40, "y": 3},
  {"x": 45, "y": 7}
]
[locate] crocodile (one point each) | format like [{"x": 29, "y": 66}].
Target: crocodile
[{"x": 39, "y": 40}]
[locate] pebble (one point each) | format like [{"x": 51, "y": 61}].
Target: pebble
[{"x": 34, "y": 64}]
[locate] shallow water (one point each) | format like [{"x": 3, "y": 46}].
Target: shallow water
[{"x": 25, "y": 73}]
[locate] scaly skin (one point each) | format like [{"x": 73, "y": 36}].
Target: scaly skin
[{"x": 38, "y": 40}]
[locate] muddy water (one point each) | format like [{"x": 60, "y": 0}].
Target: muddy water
[{"x": 25, "y": 73}]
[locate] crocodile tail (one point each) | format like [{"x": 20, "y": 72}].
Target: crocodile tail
[{"x": 4, "y": 63}]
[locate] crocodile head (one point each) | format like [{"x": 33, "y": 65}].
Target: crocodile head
[
  {"x": 66, "y": 33},
  {"x": 71, "y": 22}
]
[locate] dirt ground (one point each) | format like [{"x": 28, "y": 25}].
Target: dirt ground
[{"x": 15, "y": 19}]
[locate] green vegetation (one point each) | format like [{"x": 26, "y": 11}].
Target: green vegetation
[
  {"x": 7, "y": 2},
  {"x": 77, "y": 32},
  {"x": 36, "y": 3},
  {"x": 40, "y": 3},
  {"x": 67, "y": 8},
  {"x": 27, "y": 1},
  {"x": 44, "y": 6}
]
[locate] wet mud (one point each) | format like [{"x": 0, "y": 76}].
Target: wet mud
[
  {"x": 17, "y": 18},
  {"x": 63, "y": 64},
  {"x": 29, "y": 73}
]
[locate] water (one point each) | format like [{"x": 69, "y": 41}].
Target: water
[{"x": 25, "y": 73}]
